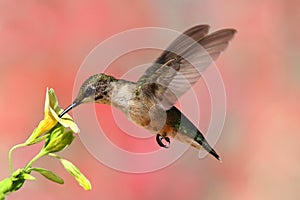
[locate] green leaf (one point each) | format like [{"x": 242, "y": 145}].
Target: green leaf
[
  {"x": 49, "y": 175},
  {"x": 17, "y": 184},
  {"x": 28, "y": 177},
  {"x": 75, "y": 172}
]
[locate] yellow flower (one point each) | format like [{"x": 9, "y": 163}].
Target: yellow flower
[
  {"x": 55, "y": 110},
  {"x": 51, "y": 112}
]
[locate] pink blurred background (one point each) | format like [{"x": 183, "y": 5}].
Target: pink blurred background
[{"x": 43, "y": 43}]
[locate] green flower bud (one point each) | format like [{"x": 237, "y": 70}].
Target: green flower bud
[
  {"x": 49, "y": 175},
  {"x": 75, "y": 172},
  {"x": 58, "y": 140}
]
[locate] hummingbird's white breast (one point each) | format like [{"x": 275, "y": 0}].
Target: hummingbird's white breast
[
  {"x": 122, "y": 94},
  {"x": 141, "y": 110}
]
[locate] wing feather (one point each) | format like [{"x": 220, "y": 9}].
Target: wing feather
[{"x": 181, "y": 64}]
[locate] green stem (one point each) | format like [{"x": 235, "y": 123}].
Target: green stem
[
  {"x": 10, "y": 155},
  {"x": 21, "y": 145},
  {"x": 54, "y": 155},
  {"x": 35, "y": 158}
]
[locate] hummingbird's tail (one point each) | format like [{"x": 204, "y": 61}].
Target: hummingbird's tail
[
  {"x": 199, "y": 138},
  {"x": 186, "y": 130}
]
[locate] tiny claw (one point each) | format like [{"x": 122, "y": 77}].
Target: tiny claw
[
  {"x": 159, "y": 139},
  {"x": 167, "y": 139}
]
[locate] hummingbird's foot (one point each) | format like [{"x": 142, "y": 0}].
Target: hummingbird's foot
[{"x": 159, "y": 139}]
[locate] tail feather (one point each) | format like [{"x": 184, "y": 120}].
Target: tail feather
[{"x": 186, "y": 131}]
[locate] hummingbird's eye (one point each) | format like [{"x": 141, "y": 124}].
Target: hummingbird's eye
[{"x": 90, "y": 91}]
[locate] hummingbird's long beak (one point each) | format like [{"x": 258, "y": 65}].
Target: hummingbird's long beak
[{"x": 70, "y": 107}]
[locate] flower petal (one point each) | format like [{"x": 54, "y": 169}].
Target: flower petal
[
  {"x": 46, "y": 101},
  {"x": 55, "y": 109},
  {"x": 66, "y": 121},
  {"x": 53, "y": 102}
]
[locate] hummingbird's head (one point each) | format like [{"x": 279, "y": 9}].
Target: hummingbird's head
[{"x": 96, "y": 88}]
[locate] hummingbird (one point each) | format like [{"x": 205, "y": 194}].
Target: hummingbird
[{"x": 149, "y": 102}]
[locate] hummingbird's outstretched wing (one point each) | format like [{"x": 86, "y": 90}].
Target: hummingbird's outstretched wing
[{"x": 181, "y": 64}]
